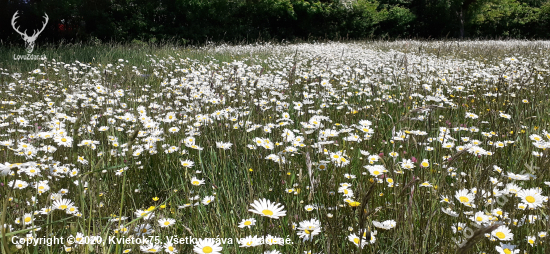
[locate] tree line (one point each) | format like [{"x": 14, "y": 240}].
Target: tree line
[{"x": 200, "y": 21}]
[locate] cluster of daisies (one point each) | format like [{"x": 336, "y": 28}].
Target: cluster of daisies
[{"x": 333, "y": 121}]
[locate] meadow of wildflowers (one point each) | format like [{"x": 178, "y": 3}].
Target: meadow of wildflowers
[{"x": 365, "y": 147}]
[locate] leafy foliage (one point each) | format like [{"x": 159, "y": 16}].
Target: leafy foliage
[{"x": 194, "y": 21}]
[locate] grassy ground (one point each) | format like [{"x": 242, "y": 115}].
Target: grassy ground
[{"x": 444, "y": 141}]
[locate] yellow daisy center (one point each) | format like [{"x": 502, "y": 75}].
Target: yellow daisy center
[
  {"x": 500, "y": 235},
  {"x": 267, "y": 212},
  {"x": 207, "y": 249},
  {"x": 530, "y": 199}
]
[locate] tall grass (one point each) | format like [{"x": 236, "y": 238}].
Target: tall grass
[{"x": 404, "y": 88}]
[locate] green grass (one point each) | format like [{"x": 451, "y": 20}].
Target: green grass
[{"x": 382, "y": 85}]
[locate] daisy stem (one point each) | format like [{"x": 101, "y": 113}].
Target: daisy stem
[
  {"x": 264, "y": 234},
  {"x": 121, "y": 205},
  {"x": 2, "y": 229}
]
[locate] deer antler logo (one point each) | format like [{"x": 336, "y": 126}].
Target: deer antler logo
[{"x": 29, "y": 40}]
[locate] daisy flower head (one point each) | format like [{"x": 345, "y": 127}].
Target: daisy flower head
[
  {"x": 309, "y": 228},
  {"x": 521, "y": 206},
  {"x": 247, "y": 223},
  {"x": 471, "y": 115},
  {"x": 207, "y": 200},
  {"x": 189, "y": 141},
  {"x": 365, "y": 123},
  {"x": 206, "y": 246},
  {"x": 62, "y": 204},
  {"x": 145, "y": 214},
  {"x": 445, "y": 199},
  {"x": 425, "y": 184},
  {"x": 373, "y": 158},
  {"x": 166, "y": 222},
  {"x": 503, "y": 233},
  {"x": 27, "y": 219},
  {"x": 249, "y": 241},
  {"x": 173, "y": 129},
  {"x": 64, "y": 141},
  {"x": 531, "y": 240},
  {"x": 82, "y": 160},
  {"x": 507, "y": 249},
  {"x": 348, "y": 176},
  {"x": 18, "y": 184},
  {"x": 389, "y": 224},
  {"x": 223, "y": 145},
  {"x": 458, "y": 227},
  {"x": 187, "y": 163},
  {"x": 449, "y": 212},
  {"x": 309, "y": 208},
  {"x": 169, "y": 248},
  {"x": 407, "y": 164},
  {"x": 267, "y": 208},
  {"x": 506, "y": 116},
  {"x": 480, "y": 217},
  {"x": 346, "y": 191},
  {"x": 335, "y": 157},
  {"x": 464, "y": 196},
  {"x": 376, "y": 170},
  {"x": 531, "y": 197},
  {"x": 356, "y": 240},
  {"x": 196, "y": 182},
  {"x": 150, "y": 248},
  {"x": 144, "y": 229},
  {"x": 424, "y": 163}
]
